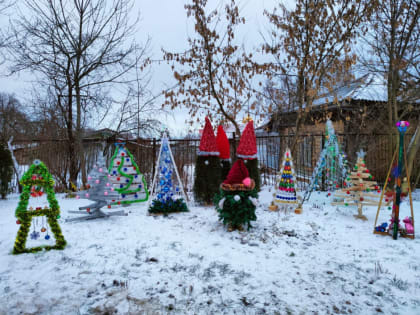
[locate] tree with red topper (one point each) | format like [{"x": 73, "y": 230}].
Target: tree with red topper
[
  {"x": 247, "y": 151},
  {"x": 237, "y": 200},
  {"x": 224, "y": 150},
  {"x": 207, "y": 167}
]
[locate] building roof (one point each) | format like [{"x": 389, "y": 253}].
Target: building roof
[{"x": 366, "y": 88}]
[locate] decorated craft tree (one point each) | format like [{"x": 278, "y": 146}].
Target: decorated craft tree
[
  {"x": 247, "y": 151},
  {"x": 285, "y": 192},
  {"x": 126, "y": 177},
  {"x": 224, "y": 150},
  {"x": 331, "y": 166},
  {"x": 395, "y": 195},
  {"x": 207, "y": 167},
  {"x": 37, "y": 182},
  {"x": 237, "y": 199},
  {"x": 167, "y": 193},
  {"x": 361, "y": 189},
  {"x": 99, "y": 190}
]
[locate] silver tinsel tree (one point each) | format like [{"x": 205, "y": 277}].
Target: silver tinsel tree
[{"x": 100, "y": 191}]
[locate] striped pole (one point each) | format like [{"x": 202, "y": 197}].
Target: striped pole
[{"x": 402, "y": 128}]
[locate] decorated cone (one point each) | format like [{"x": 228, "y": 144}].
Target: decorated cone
[
  {"x": 167, "y": 192},
  {"x": 207, "y": 168},
  {"x": 247, "y": 151},
  {"x": 285, "y": 193},
  {"x": 237, "y": 200},
  {"x": 224, "y": 150}
]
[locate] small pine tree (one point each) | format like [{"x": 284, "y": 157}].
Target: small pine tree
[{"x": 6, "y": 170}]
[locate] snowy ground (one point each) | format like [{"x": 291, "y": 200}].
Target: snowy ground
[{"x": 322, "y": 262}]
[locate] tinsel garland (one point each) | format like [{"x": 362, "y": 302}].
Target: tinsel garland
[
  {"x": 168, "y": 206},
  {"x": 37, "y": 175},
  {"x": 236, "y": 208}
]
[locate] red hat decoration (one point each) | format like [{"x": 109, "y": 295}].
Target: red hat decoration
[
  {"x": 208, "y": 144},
  {"x": 238, "y": 174},
  {"x": 223, "y": 144},
  {"x": 247, "y": 148}
]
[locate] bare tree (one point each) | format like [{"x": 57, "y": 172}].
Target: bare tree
[
  {"x": 214, "y": 75},
  {"x": 394, "y": 41},
  {"x": 82, "y": 49},
  {"x": 310, "y": 42}
]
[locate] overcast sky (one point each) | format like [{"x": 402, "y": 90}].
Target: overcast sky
[{"x": 166, "y": 23}]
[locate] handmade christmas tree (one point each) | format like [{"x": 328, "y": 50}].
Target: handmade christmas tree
[
  {"x": 285, "y": 193},
  {"x": 100, "y": 191},
  {"x": 167, "y": 193},
  {"x": 395, "y": 228},
  {"x": 361, "y": 190},
  {"x": 237, "y": 199},
  {"x": 224, "y": 150},
  {"x": 332, "y": 165},
  {"x": 36, "y": 182},
  {"x": 247, "y": 151},
  {"x": 207, "y": 167},
  {"x": 126, "y": 177}
]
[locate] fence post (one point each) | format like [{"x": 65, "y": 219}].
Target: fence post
[
  {"x": 154, "y": 156},
  {"x": 234, "y": 147}
]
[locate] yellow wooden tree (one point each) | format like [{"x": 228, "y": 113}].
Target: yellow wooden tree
[{"x": 361, "y": 189}]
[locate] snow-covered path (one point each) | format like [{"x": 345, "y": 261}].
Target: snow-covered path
[{"x": 323, "y": 261}]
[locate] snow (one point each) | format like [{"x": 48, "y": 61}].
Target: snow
[{"x": 322, "y": 261}]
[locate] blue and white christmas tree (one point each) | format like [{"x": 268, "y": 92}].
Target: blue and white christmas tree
[{"x": 167, "y": 191}]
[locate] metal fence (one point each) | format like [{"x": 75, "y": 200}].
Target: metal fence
[{"x": 270, "y": 152}]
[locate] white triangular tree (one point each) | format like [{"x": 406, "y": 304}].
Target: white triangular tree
[{"x": 167, "y": 192}]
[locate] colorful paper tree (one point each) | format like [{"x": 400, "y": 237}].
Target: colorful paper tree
[
  {"x": 36, "y": 182},
  {"x": 126, "y": 177},
  {"x": 285, "y": 192},
  {"x": 100, "y": 191},
  {"x": 361, "y": 189},
  {"x": 167, "y": 191}
]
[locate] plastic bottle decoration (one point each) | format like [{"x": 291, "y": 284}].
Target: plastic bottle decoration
[
  {"x": 126, "y": 177},
  {"x": 35, "y": 182},
  {"x": 285, "y": 190},
  {"x": 167, "y": 192}
]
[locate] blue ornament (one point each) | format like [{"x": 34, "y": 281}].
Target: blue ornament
[
  {"x": 127, "y": 159},
  {"x": 34, "y": 235},
  {"x": 121, "y": 185},
  {"x": 136, "y": 195},
  {"x": 135, "y": 176},
  {"x": 114, "y": 172},
  {"x": 47, "y": 237},
  {"x": 123, "y": 196},
  {"x": 125, "y": 169},
  {"x": 127, "y": 180},
  {"x": 166, "y": 189},
  {"x": 139, "y": 186}
]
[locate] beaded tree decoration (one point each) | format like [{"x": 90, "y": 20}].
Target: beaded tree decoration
[
  {"x": 36, "y": 182},
  {"x": 126, "y": 177},
  {"x": 99, "y": 190},
  {"x": 361, "y": 188},
  {"x": 167, "y": 191},
  {"x": 285, "y": 192}
]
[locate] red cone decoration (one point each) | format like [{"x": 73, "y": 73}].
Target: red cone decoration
[
  {"x": 247, "y": 148},
  {"x": 237, "y": 174},
  {"x": 223, "y": 144},
  {"x": 208, "y": 145}
]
